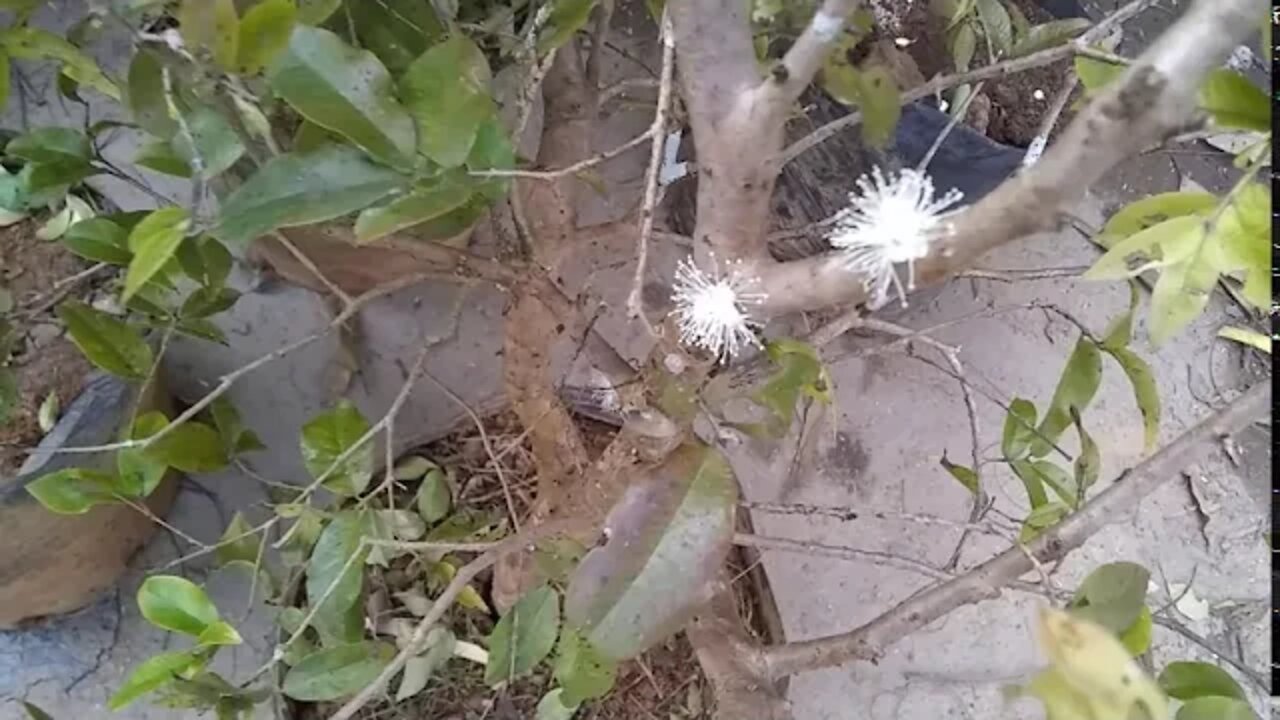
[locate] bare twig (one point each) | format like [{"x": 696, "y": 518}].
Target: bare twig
[
  {"x": 1254, "y": 677},
  {"x": 657, "y": 133},
  {"x": 571, "y": 169},
  {"x": 62, "y": 288},
  {"x": 985, "y": 580},
  {"x": 306, "y": 262}
]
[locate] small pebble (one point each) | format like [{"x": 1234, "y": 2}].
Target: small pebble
[
  {"x": 42, "y": 334},
  {"x": 902, "y": 42},
  {"x": 1038, "y": 94}
]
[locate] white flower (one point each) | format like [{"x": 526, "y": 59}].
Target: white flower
[
  {"x": 711, "y": 310},
  {"x": 892, "y": 221}
]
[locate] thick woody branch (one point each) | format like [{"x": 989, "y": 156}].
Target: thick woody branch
[
  {"x": 1149, "y": 102},
  {"x": 984, "y": 582},
  {"x": 788, "y": 79}
]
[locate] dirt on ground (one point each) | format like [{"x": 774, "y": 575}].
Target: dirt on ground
[
  {"x": 1016, "y": 104},
  {"x": 43, "y": 360}
]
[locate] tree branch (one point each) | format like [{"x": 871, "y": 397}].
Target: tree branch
[
  {"x": 788, "y": 79},
  {"x": 984, "y": 581},
  {"x": 1151, "y": 100}
]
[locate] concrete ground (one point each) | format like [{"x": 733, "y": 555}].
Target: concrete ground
[{"x": 893, "y": 418}]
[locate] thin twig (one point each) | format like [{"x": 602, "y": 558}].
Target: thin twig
[
  {"x": 570, "y": 169},
  {"x": 306, "y": 262},
  {"x": 1165, "y": 621},
  {"x": 874, "y": 557},
  {"x": 60, "y": 290},
  {"x": 657, "y": 132},
  {"x": 196, "y": 160}
]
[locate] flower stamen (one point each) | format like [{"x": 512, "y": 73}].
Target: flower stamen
[{"x": 712, "y": 310}]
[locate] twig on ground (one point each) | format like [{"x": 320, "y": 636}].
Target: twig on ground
[
  {"x": 657, "y": 133},
  {"x": 984, "y": 581},
  {"x": 60, "y": 290}
]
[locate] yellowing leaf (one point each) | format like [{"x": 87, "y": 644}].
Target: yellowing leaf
[
  {"x": 1142, "y": 214},
  {"x": 153, "y": 243},
  {"x": 1247, "y": 337},
  {"x": 29, "y": 43},
  {"x": 1179, "y": 296},
  {"x": 264, "y": 34},
  {"x": 211, "y": 26},
  {"x": 1092, "y": 662},
  {"x": 1233, "y": 101},
  {"x": 1182, "y": 233}
]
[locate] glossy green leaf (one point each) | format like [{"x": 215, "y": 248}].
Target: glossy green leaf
[
  {"x": 238, "y": 543},
  {"x": 336, "y": 570},
  {"x": 141, "y": 474},
  {"x": 434, "y": 498},
  {"x": 30, "y": 43},
  {"x": 1088, "y": 463},
  {"x": 51, "y": 145},
  {"x": 175, "y": 603},
  {"x": 315, "y": 12},
  {"x": 1137, "y": 637},
  {"x": 1234, "y": 102},
  {"x": 192, "y": 447},
  {"x": 206, "y": 261},
  {"x": 1113, "y": 595},
  {"x": 153, "y": 243},
  {"x": 1216, "y": 708},
  {"x": 552, "y": 706},
  {"x": 106, "y": 340},
  {"x": 1191, "y": 680},
  {"x": 524, "y": 636},
  {"x": 204, "y": 302},
  {"x": 447, "y": 91},
  {"x": 1049, "y": 34},
  {"x": 155, "y": 673},
  {"x": 146, "y": 100},
  {"x": 567, "y": 17},
  {"x": 1096, "y": 74},
  {"x": 300, "y": 189},
  {"x": 219, "y": 634},
  {"x": 397, "y": 31},
  {"x": 1019, "y": 429},
  {"x": 216, "y": 143},
  {"x": 424, "y": 203},
  {"x": 996, "y": 25},
  {"x": 99, "y": 240},
  {"x": 264, "y": 34},
  {"x": 344, "y": 90},
  {"x": 212, "y": 27},
  {"x": 1145, "y": 392},
  {"x": 583, "y": 673},
  {"x": 670, "y": 535},
  {"x": 964, "y": 475},
  {"x": 418, "y": 669},
  {"x": 73, "y": 491},
  {"x": 337, "y": 672},
  {"x": 1076, "y": 387},
  {"x": 1040, "y": 519},
  {"x": 326, "y": 437}
]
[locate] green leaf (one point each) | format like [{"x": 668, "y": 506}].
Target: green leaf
[
  {"x": 315, "y": 12},
  {"x": 213, "y": 27},
  {"x": 336, "y": 567},
  {"x": 1248, "y": 337},
  {"x": 216, "y": 142},
  {"x": 106, "y": 341},
  {"x": 236, "y": 438},
  {"x": 1243, "y": 235},
  {"x": 159, "y": 156},
  {"x": 583, "y": 673},
  {"x": 997, "y": 26},
  {"x": 670, "y": 534},
  {"x": 73, "y": 491},
  {"x": 35, "y": 713},
  {"x": 147, "y": 103},
  {"x": 326, "y": 437},
  {"x": 425, "y": 203},
  {"x": 29, "y": 43},
  {"x": 153, "y": 244},
  {"x": 1137, "y": 637},
  {"x": 51, "y": 145},
  {"x": 192, "y": 447},
  {"x": 300, "y": 189},
  {"x": 524, "y": 636},
  {"x": 397, "y": 31},
  {"x": 1096, "y": 74},
  {"x": 1191, "y": 680},
  {"x": 1179, "y": 297},
  {"x": 1146, "y": 212},
  {"x": 1235, "y": 102},
  {"x": 964, "y": 43},
  {"x": 344, "y": 90},
  {"x": 492, "y": 150},
  {"x": 99, "y": 240},
  {"x": 1088, "y": 463},
  {"x": 1050, "y": 34},
  {"x": 264, "y": 34},
  {"x": 871, "y": 89},
  {"x": 154, "y": 673},
  {"x": 1113, "y": 595},
  {"x": 552, "y": 706},
  {"x": 4, "y": 78},
  {"x": 567, "y": 17},
  {"x": 434, "y": 498},
  {"x": 1036, "y": 475},
  {"x": 206, "y": 261},
  {"x": 337, "y": 672},
  {"x": 1175, "y": 238},
  {"x": 8, "y": 391},
  {"x": 800, "y": 373},
  {"x": 1076, "y": 388},
  {"x": 966, "y": 476},
  {"x": 175, "y": 603},
  {"x": 1216, "y": 708},
  {"x": 1145, "y": 392},
  {"x": 419, "y": 669},
  {"x": 219, "y": 634},
  {"x": 446, "y": 90},
  {"x": 1040, "y": 519},
  {"x": 140, "y": 474},
  {"x": 237, "y": 544},
  {"x": 1019, "y": 429}
]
